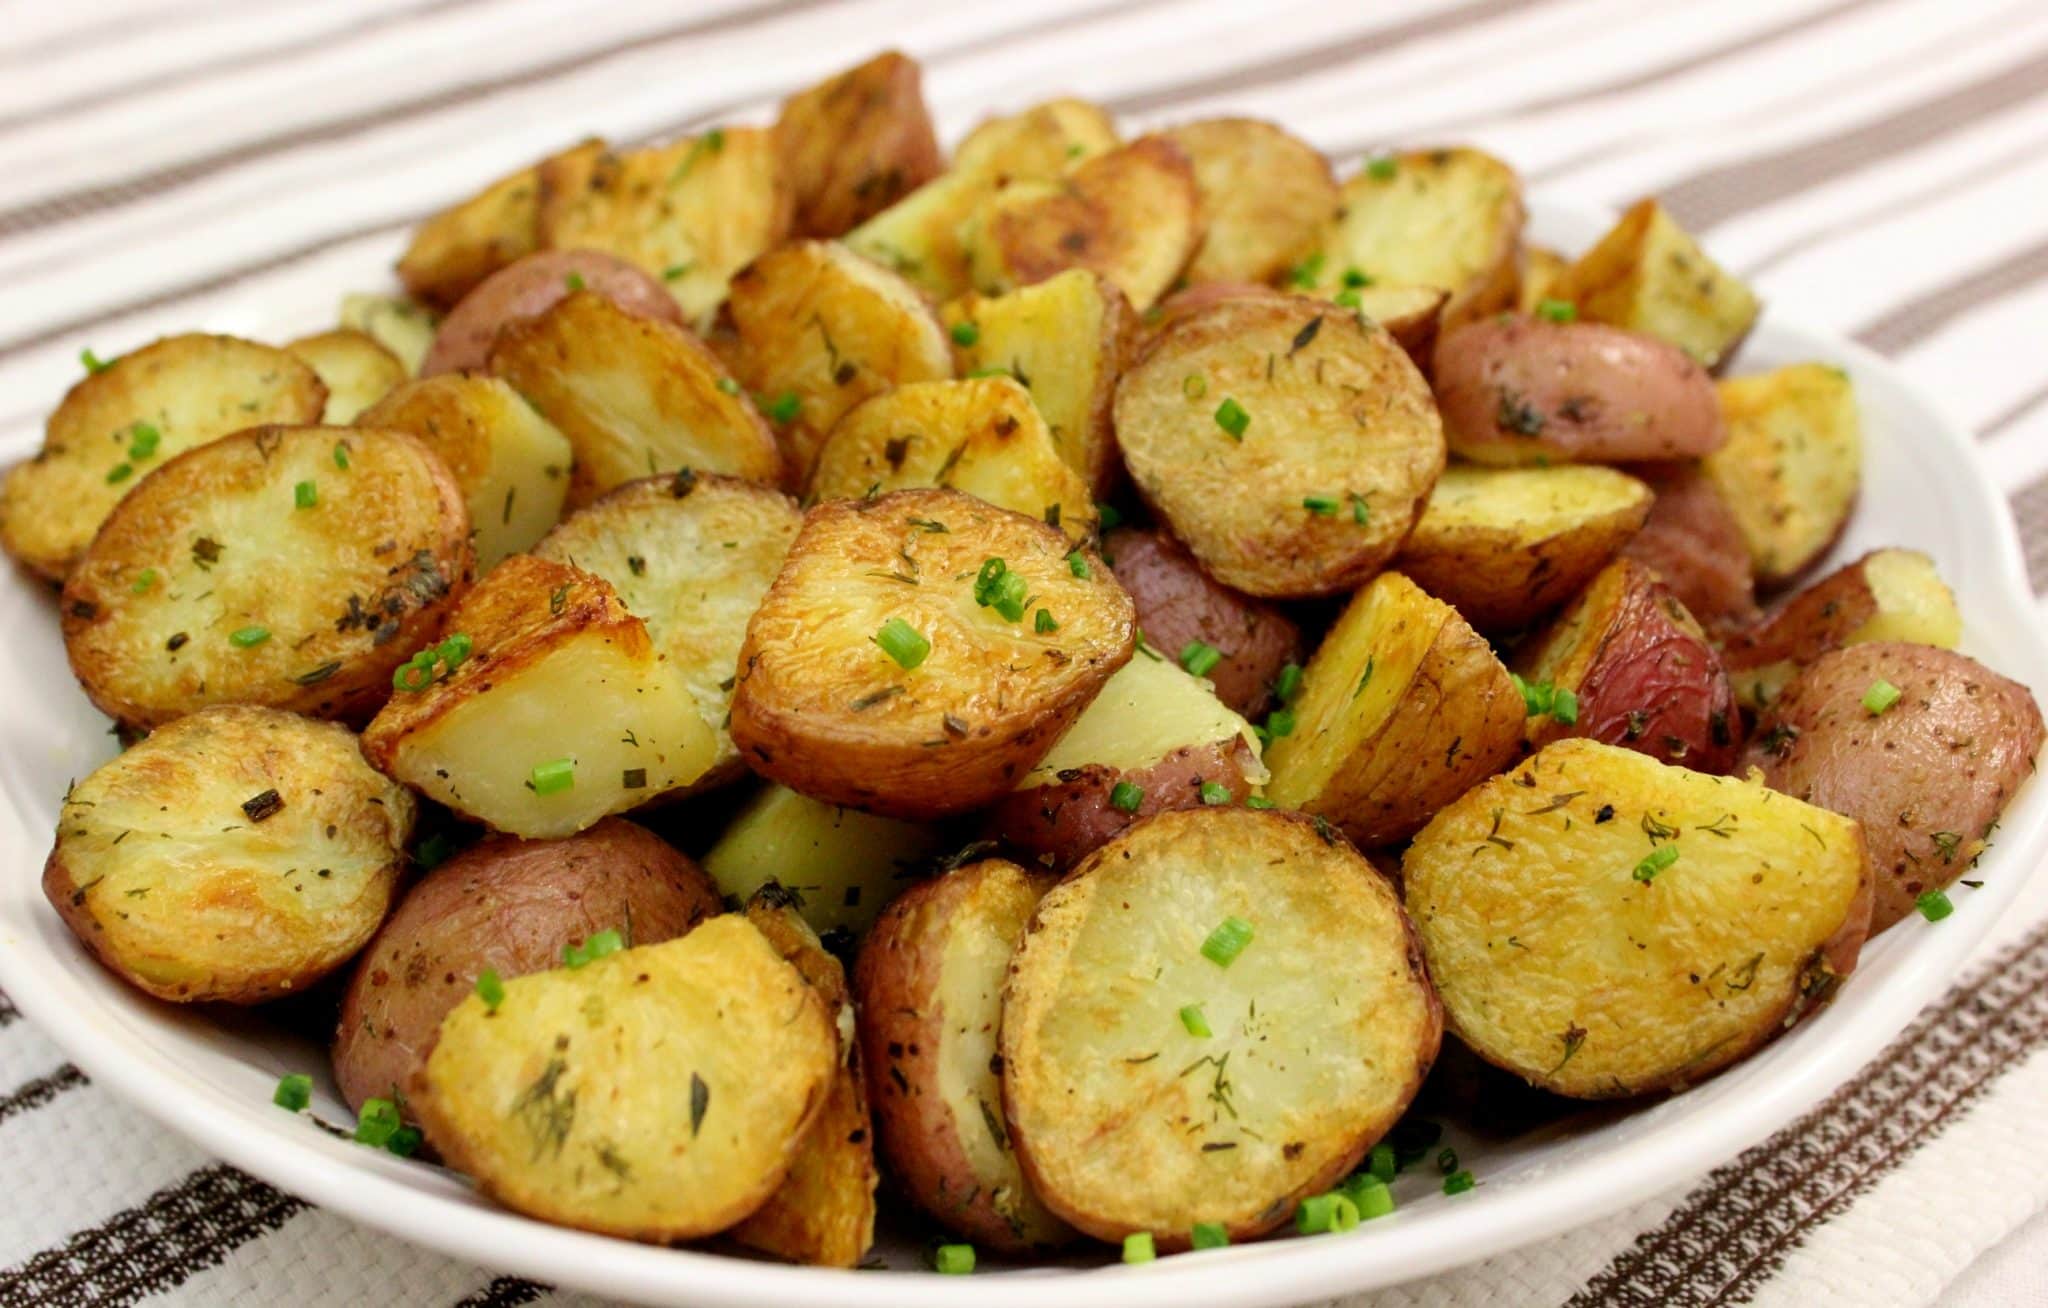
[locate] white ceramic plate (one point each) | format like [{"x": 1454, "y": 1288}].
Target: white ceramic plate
[{"x": 211, "y": 1078}]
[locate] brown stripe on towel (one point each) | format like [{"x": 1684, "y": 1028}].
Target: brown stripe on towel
[
  {"x": 1922, "y": 316},
  {"x": 34, "y": 1094}
]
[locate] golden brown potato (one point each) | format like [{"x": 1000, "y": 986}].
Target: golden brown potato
[
  {"x": 1149, "y": 1086},
  {"x": 635, "y": 397},
  {"x": 1603, "y": 925},
  {"x": 1412, "y": 315},
  {"x": 820, "y": 323},
  {"x": 930, "y": 986},
  {"x": 1525, "y": 390},
  {"x": 1648, "y": 275},
  {"x": 457, "y": 248},
  {"x": 237, "y": 854},
  {"x": 856, "y": 143},
  {"x": 1693, "y": 543},
  {"x": 1265, "y": 193},
  {"x": 356, "y": 370},
  {"x": 1289, "y": 446},
  {"x": 530, "y": 287},
  {"x": 561, "y": 712},
  {"x": 838, "y": 699},
  {"x": 133, "y": 415},
  {"x": 1927, "y": 773},
  {"x": 1403, "y": 708},
  {"x": 691, "y": 557},
  {"x": 402, "y": 326},
  {"x": 1792, "y": 464},
  {"x": 982, "y": 436},
  {"x": 510, "y": 906},
  {"x": 179, "y": 602},
  {"x": 1504, "y": 546},
  {"x": 1639, "y": 671},
  {"x": 1179, "y": 605},
  {"x": 692, "y": 212},
  {"x": 1541, "y": 267},
  {"x": 840, "y": 865},
  {"x": 659, "y": 1092}
]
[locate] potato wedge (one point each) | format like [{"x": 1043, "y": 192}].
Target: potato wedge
[
  {"x": 1648, "y": 275},
  {"x": 1603, "y": 925},
  {"x": 930, "y": 986},
  {"x": 178, "y": 605},
  {"x": 692, "y": 212},
  {"x": 354, "y": 367},
  {"x": 1179, "y": 605},
  {"x": 1792, "y": 464},
  {"x": 1403, "y": 708},
  {"x": 691, "y": 557},
  {"x": 1927, "y": 774},
  {"x": 1129, "y": 1113},
  {"x": 824, "y": 707},
  {"x": 460, "y": 246},
  {"x": 564, "y": 712},
  {"x": 659, "y": 1093},
  {"x": 1046, "y": 140},
  {"x": 1541, "y": 267},
  {"x": 841, "y": 865},
  {"x": 1066, "y": 339},
  {"x": 1290, "y": 447},
  {"x": 635, "y": 397},
  {"x": 264, "y": 853},
  {"x": 1693, "y": 543},
  {"x": 511, "y": 906},
  {"x": 820, "y": 323},
  {"x": 1265, "y": 193},
  {"x": 856, "y": 143},
  {"x": 511, "y": 463},
  {"x": 401, "y": 326},
  {"x": 132, "y": 416},
  {"x": 1886, "y": 595},
  {"x": 530, "y": 287},
  {"x": 1412, "y": 315},
  {"x": 1504, "y": 546},
  {"x": 982, "y": 436}
]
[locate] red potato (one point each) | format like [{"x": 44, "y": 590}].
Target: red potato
[
  {"x": 1693, "y": 543},
  {"x": 528, "y": 289},
  {"x": 1178, "y": 603}
]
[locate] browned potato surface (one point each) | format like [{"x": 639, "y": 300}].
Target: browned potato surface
[
  {"x": 1648, "y": 275},
  {"x": 356, "y": 370},
  {"x": 530, "y": 287},
  {"x": 1693, "y": 543},
  {"x": 1541, "y": 267},
  {"x": 1265, "y": 193},
  {"x": 457, "y": 248},
  {"x": 1885, "y": 595},
  {"x": 402, "y": 326},
  {"x": 856, "y": 143},
  {"x": 1179, "y": 604},
  {"x": 1792, "y": 465}
]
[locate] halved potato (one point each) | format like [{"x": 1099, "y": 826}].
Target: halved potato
[
  {"x": 1693, "y": 543},
  {"x": 133, "y": 415},
  {"x": 840, "y": 865},
  {"x": 856, "y": 143},
  {"x": 635, "y": 397},
  {"x": 1180, "y": 605},
  {"x": 1149, "y": 1087},
  {"x": 1288, "y": 445},
  {"x": 402, "y": 326},
  {"x": 1603, "y": 925},
  {"x": 691, "y": 557},
  {"x": 1265, "y": 193},
  {"x": 237, "y": 854},
  {"x": 355, "y": 368},
  {"x": 1792, "y": 464},
  {"x": 1403, "y": 708},
  {"x": 1541, "y": 267},
  {"x": 821, "y": 323},
  {"x": 563, "y": 713},
  {"x": 982, "y": 436},
  {"x": 1504, "y": 546},
  {"x": 824, "y": 707},
  {"x": 1412, "y": 315},
  {"x": 530, "y": 287},
  {"x": 512, "y": 464},
  {"x": 460, "y": 246},
  {"x": 1885, "y": 595},
  {"x": 1049, "y": 138},
  {"x": 294, "y": 567},
  {"x": 1648, "y": 275},
  {"x": 930, "y": 986},
  {"x": 659, "y": 1093}
]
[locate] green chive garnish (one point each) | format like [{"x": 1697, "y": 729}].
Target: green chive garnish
[
  {"x": 1382, "y": 1163},
  {"x": 1557, "y": 311},
  {"x": 1197, "y": 1025},
  {"x": 294, "y": 1091},
  {"x": 785, "y": 407},
  {"x": 1459, "y": 1182},
  {"x": 1215, "y": 792},
  {"x": 248, "y": 637},
  {"x": 1108, "y": 517},
  {"x": 1227, "y": 941},
  {"x": 1323, "y": 1213},
  {"x": 1320, "y": 505},
  {"x": 1232, "y": 418},
  {"x": 1564, "y": 706},
  {"x": 377, "y": 1123},
  {"x": 1077, "y": 565},
  {"x": 1043, "y": 622},
  {"x": 1934, "y": 905},
  {"x": 554, "y": 777},
  {"x": 727, "y": 386},
  {"x": 1200, "y": 658},
  {"x": 1280, "y": 722},
  {"x": 998, "y": 588},
  {"x": 143, "y": 439},
  {"x": 1349, "y": 298},
  {"x": 607, "y": 941},
  {"x": 1194, "y": 386},
  {"x": 143, "y": 581},
  {"x": 1370, "y": 1195},
  {"x": 1125, "y": 796},
  {"x": 305, "y": 495},
  {"x": 1881, "y": 696},
  {"x": 901, "y": 642},
  {"x": 1308, "y": 270},
  {"x": 1288, "y": 684},
  {"x": 1258, "y": 802},
  {"x": 1382, "y": 169},
  {"x": 574, "y": 281},
  {"x": 1139, "y": 1248},
  {"x": 965, "y": 333},
  {"x": 120, "y": 472},
  {"x": 1208, "y": 1235},
  {"x": 490, "y": 989},
  {"x": 1354, "y": 278},
  {"x": 1656, "y": 861},
  {"x": 405, "y": 1141},
  {"x": 953, "y": 1259},
  {"x": 341, "y": 455},
  {"x": 92, "y": 362}
]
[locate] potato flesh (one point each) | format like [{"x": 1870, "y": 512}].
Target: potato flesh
[
  {"x": 354, "y": 367},
  {"x": 1792, "y": 463},
  {"x": 845, "y": 864},
  {"x": 394, "y": 322},
  {"x": 1534, "y": 502},
  {"x": 1147, "y": 710},
  {"x": 1265, "y": 192},
  {"x": 1648, "y": 275},
  {"x": 1906, "y": 599}
]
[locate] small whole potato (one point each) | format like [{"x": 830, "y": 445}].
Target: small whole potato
[
  {"x": 531, "y": 287},
  {"x": 1178, "y": 603}
]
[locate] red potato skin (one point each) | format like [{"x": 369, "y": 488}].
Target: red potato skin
[
  {"x": 528, "y": 289},
  {"x": 1177, "y": 603},
  {"x": 1062, "y": 823},
  {"x": 1692, "y": 543},
  {"x": 1806, "y": 625},
  {"x": 1942, "y": 761}
]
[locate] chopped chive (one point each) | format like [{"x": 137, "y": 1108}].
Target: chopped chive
[
  {"x": 1258, "y": 802},
  {"x": 1288, "y": 684},
  {"x": 1280, "y": 722},
  {"x": 93, "y": 362},
  {"x": 1314, "y": 1215},
  {"x": 1139, "y": 1247},
  {"x": 294, "y": 1091},
  {"x": 1361, "y": 512},
  {"x": 143, "y": 581},
  {"x": 1125, "y": 796},
  {"x": 1564, "y": 706},
  {"x": 785, "y": 407},
  {"x": 1215, "y": 792},
  {"x": 965, "y": 333},
  {"x": 1881, "y": 696},
  {"x": 607, "y": 941},
  {"x": 574, "y": 282},
  {"x": 248, "y": 637},
  {"x": 998, "y": 588},
  {"x": 1227, "y": 941},
  {"x": 1656, "y": 861},
  {"x": 552, "y": 778},
  {"x": 674, "y": 271},
  {"x": 1308, "y": 270},
  {"x": 1557, "y": 311},
  {"x": 377, "y": 1123},
  {"x": 305, "y": 495},
  {"x": 1382, "y": 169},
  {"x": 1042, "y": 622},
  {"x": 727, "y": 386},
  {"x": 1108, "y": 517},
  {"x": 1370, "y": 1195},
  {"x": 1349, "y": 298},
  {"x": 341, "y": 455},
  {"x": 953, "y": 1259},
  {"x": 1382, "y": 1163},
  {"x": 1459, "y": 1182},
  {"x": 1354, "y": 277},
  {"x": 1194, "y": 386},
  {"x": 901, "y": 642},
  {"x": 1446, "y": 1160},
  {"x": 1200, "y": 658},
  {"x": 490, "y": 988},
  {"x": 1320, "y": 505},
  {"x": 979, "y": 373},
  {"x": 455, "y": 650},
  {"x": 1208, "y": 1235},
  {"x": 433, "y": 851},
  {"x": 1196, "y": 1024},
  {"x": 143, "y": 440},
  {"x": 1077, "y": 565},
  {"x": 1232, "y": 418},
  {"x": 1934, "y": 905},
  {"x": 120, "y": 472},
  {"x": 405, "y": 1141}
]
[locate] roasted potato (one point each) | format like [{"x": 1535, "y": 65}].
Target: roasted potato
[
  {"x": 399, "y": 325},
  {"x": 457, "y": 248},
  {"x": 1693, "y": 543},
  {"x": 1922, "y": 746},
  {"x": 1640, "y": 672},
  {"x": 1066, "y": 339},
  {"x": 1648, "y": 275},
  {"x": 264, "y": 852},
  {"x": 660, "y": 1092},
  {"x": 1289, "y": 446},
  {"x": 1412, "y": 315},
  {"x": 820, "y": 323},
  {"x": 563, "y": 711},
  {"x": 1792, "y": 464},
  {"x": 511, "y": 906},
  {"x": 857, "y": 143},
  {"x": 1526, "y": 390},
  {"x": 511, "y": 463},
  {"x": 840, "y": 865},
  {"x": 530, "y": 287},
  {"x": 1541, "y": 267},
  {"x": 354, "y": 367},
  {"x": 1264, "y": 193},
  {"x": 1154, "y": 728},
  {"x": 1885, "y": 595},
  {"x": 1402, "y": 709},
  {"x": 899, "y": 663},
  {"x": 1504, "y": 546},
  {"x": 929, "y": 983},
  {"x": 634, "y": 396},
  {"x": 133, "y": 415},
  {"x": 1149, "y": 1085},
  {"x": 983, "y": 436},
  {"x": 178, "y": 603},
  {"x": 1179, "y": 605},
  {"x": 1603, "y": 925}
]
